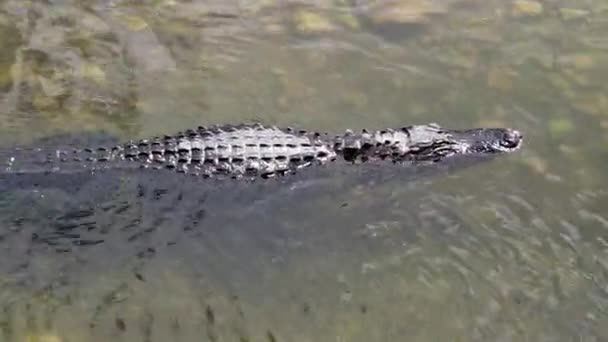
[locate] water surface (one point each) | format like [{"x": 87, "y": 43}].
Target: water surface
[{"x": 511, "y": 250}]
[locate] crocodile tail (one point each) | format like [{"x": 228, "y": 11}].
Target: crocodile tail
[
  {"x": 41, "y": 160},
  {"x": 25, "y": 160}
]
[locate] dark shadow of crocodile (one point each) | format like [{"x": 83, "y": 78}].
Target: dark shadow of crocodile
[{"x": 136, "y": 213}]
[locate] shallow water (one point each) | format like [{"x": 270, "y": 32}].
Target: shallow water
[{"x": 511, "y": 250}]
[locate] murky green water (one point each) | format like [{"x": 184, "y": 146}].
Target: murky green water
[{"x": 514, "y": 250}]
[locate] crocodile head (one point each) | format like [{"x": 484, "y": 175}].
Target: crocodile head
[{"x": 431, "y": 142}]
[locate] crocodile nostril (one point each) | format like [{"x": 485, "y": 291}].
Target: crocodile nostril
[{"x": 511, "y": 138}]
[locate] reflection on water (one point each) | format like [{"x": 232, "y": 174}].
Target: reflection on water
[{"x": 512, "y": 250}]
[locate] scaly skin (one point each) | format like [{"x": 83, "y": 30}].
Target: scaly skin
[{"x": 258, "y": 150}]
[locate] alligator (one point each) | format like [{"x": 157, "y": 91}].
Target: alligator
[
  {"x": 248, "y": 151},
  {"x": 116, "y": 205}
]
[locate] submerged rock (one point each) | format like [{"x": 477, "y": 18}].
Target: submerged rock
[
  {"x": 43, "y": 338},
  {"x": 526, "y": 8},
  {"x": 502, "y": 78},
  {"x": 405, "y": 12},
  {"x": 307, "y": 22},
  {"x": 399, "y": 20},
  {"x": 573, "y": 13},
  {"x": 560, "y": 126}
]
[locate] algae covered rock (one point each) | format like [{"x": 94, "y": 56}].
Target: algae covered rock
[
  {"x": 573, "y": 13},
  {"x": 43, "y": 338},
  {"x": 405, "y": 11},
  {"x": 310, "y": 22},
  {"x": 526, "y": 8},
  {"x": 560, "y": 126}
]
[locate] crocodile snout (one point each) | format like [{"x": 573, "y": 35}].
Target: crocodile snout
[{"x": 512, "y": 139}]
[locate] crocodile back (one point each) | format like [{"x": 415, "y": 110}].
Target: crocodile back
[{"x": 231, "y": 150}]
